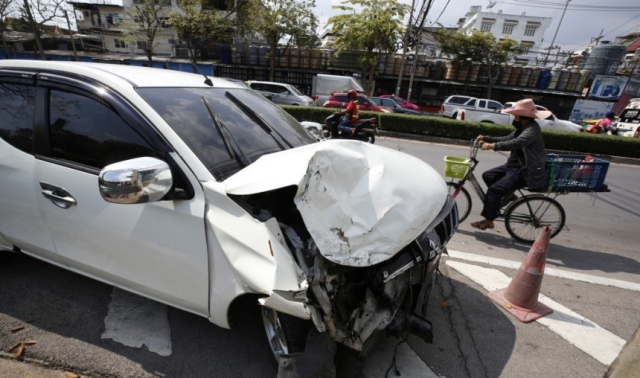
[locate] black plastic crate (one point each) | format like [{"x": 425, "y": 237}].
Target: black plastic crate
[{"x": 575, "y": 173}]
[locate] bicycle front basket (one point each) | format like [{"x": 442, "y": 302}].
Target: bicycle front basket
[{"x": 455, "y": 167}]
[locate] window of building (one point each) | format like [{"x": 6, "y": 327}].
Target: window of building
[
  {"x": 508, "y": 28},
  {"x": 142, "y": 45},
  {"x": 120, "y": 43},
  {"x": 112, "y": 18},
  {"x": 486, "y": 26},
  {"x": 164, "y": 22},
  {"x": 530, "y": 30},
  {"x": 526, "y": 45}
]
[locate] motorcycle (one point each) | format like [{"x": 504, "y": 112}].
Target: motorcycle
[{"x": 366, "y": 129}]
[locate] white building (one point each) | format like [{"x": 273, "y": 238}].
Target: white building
[{"x": 527, "y": 30}]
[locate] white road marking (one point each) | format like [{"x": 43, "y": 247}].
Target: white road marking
[
  {"x": 407, "y": 361},
  {"x": 579, "y": 331},
  {"x": 135, "y": 321},
  {"x": 547, "y": 270}
]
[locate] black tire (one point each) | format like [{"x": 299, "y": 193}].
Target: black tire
[
  {"x": 371, "y": 138},
  {"x": 286, "y": 334},
  {"x": 463, "y": 201},
  {"x": 527, "y": 215},
  {"x": 454, "y": 116}
]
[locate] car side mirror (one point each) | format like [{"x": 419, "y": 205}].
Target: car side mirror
[{"x": 139, "y": 180}]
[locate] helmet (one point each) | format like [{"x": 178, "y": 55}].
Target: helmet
[
  {"x": 352, "y": 93},
  {"x": 610, "y": 114}
]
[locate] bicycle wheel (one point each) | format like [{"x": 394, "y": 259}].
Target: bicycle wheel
[
  {"x": 463, "y": 200},
  {"x": 529, "y": 214}
]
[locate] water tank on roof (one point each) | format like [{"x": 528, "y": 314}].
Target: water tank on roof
[{"x": 604, "y": 59}]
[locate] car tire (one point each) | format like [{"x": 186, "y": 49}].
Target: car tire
[{"x": 286, "y": 334}]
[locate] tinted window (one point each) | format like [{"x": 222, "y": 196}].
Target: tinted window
[
  {"x": 482, "y": 104},
  {"x": 186, "y": 112},
  {"x": 376, "y": 101},
  {"x": 494, "y": 105},
  {"x": 341, "y": 98},
  {"x": 458, "y": 100},
  {"x": 87, "y": 131},
  {"x": 630, "y": 116},
  {"x": 17, "y": 108},
  {"x": 471, "y": 103}
]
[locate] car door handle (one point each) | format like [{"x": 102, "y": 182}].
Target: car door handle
[{"x": 58, "y": 196}]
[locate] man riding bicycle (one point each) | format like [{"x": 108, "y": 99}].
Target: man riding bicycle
[{"x": 525, "y": 166}]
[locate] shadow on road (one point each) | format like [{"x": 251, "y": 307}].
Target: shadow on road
[
  {"x": 572, "y": 258},
  {"x": 64, "y": 312}
]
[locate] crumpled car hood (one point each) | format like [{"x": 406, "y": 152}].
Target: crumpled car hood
[{"x": 360, "y": 202}]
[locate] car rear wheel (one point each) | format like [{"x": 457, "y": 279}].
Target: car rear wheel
[{"x": 285, "y": 334}]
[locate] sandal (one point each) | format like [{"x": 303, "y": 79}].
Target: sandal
[{"x": 481, "y": 225}]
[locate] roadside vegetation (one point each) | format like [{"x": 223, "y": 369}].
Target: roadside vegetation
[{"x": 599, "y": 144}]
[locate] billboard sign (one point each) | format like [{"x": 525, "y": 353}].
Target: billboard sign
[
  {"x": 607, "y": 87},
  {"x": 585, "y": 109}
]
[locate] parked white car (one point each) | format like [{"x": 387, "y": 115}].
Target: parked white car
[
  {"x": 551, "y": 123},
  {"x": 195, "y": 195},
  {"x": 628, "y": 122},
  {"x": 280, "y": 93},
  {"x": 453, "y": 104}
]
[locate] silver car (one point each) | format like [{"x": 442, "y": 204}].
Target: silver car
[{"x": 281, "y": 93}]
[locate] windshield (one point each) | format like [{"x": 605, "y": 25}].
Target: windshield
[
  {"x": 296, "y": 90},
  {"x": 255, "y": 125}
]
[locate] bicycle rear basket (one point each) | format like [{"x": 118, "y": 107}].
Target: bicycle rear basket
[
  {"x": 455, "y": 167},
  {"x": 576, "y": 173}
]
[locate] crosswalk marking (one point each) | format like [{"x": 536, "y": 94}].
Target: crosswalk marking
[
  {"x": 579, "y": 331},
  {"x": 547, "y": 271},
  {"x": 136, "y": 321}
]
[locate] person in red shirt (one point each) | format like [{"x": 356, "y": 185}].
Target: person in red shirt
[
  {"x": 351, "y": 114},
  {"x": 603, "y": 125}
]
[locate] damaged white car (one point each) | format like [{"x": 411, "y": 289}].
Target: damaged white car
[{"x": 197, "y": 192}]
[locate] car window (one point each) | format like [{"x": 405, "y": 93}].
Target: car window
[
  {"x": 458, "y": 100},
  {"x": 376, "y": 101},
  {"x": 87, "y": 131},
  {"x": 186, "y": 112},
  {"x": 341, "y": 98},
  {"x": 471, "y": 102},
  {"x": 17, "y": 108},
  {"x": 362, "y": 100},
  {"x": 482, "y": 104},
  {"x": 388, "y": 103},
  {"x": 494, "y": 105},
  {"x": 296, "y": 91},
  {"x": 630, "y": 116}
]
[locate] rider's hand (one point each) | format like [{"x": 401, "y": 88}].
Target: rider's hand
[
  {"x": 480, "y": 138},
  {"x": 487, "y": 146}
]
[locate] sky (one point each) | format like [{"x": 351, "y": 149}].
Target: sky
[{"x": 581, "y": 21}]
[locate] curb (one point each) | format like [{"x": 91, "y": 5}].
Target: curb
[{"x": 462, "y": 142}]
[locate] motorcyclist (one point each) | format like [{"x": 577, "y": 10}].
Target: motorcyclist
[
  {"x": 350, "y": 113},
  {"x": 604, "y": 125}
]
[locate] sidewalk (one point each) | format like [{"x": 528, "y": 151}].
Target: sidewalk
[{"x": 14, "y": 368}]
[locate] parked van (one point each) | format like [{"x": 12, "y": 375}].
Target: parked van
[
  {"x": 281, "y": 93},
  {"x": 628, "y": 123}
]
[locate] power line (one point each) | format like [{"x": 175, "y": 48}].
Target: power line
[{"x": 445, "y": 7}]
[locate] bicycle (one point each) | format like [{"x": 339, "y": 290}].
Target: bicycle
[{"x": 527, "y": 213}]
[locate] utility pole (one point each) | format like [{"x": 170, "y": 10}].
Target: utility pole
[
  {"x": 415, "y": 57},
  {"x": 598, "y": 38},
  {"x": 556, "y": 34},
  {"x": 405, "y": 48}
]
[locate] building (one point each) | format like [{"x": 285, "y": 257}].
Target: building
[{"x": 527, "y": 30}]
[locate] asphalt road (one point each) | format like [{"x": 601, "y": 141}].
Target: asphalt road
[{"x": 68, "y": 315}]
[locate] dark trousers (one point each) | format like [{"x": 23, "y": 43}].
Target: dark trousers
[{"x": 500, "y": 181}]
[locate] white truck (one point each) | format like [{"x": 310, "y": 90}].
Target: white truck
[
  {"x": 323, "y": 85},
  {"x": 551, "y": 123},
  {"x": 628, "y": 123}
]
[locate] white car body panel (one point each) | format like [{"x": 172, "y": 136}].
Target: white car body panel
[
  {"x": 507, "y": 119},
  {"x": 158, "y": 250},
  {"x": 350, "y": 196},
  {"x": 255, "y": 257},
  {"x": 21, "y": 222}
]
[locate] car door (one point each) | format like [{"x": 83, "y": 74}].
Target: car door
[
  {"x": 157, "y": 249},
  {"x": 20, "y": 219}
]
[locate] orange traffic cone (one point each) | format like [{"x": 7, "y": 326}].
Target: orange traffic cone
[{"x": 520, "y": 298}]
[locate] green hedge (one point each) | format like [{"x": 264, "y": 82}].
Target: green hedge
[{"x": 598, "y": 144}]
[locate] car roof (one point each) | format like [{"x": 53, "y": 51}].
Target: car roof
[
  {"x": 136, "y": 76},
  {"x": 266, "y": 82}
]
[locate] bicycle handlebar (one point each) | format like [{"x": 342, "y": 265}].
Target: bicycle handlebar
[{"x": 475, "y": 146}]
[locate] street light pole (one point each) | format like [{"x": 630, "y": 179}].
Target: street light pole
[{"x": 555, "y": 35}]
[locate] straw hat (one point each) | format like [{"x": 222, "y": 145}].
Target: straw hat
[{"x": 526, "y": 108}]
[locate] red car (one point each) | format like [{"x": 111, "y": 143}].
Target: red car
[
  {"x": 340, "y": 100},
  {"x": 402, "y": 102}
]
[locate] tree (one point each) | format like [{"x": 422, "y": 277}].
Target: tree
[
  {"x": 4, "y": 11},
  {"x": 374, "y": 29},
  {"x": 197, "y": 24},
  {"x": 39, "y": 12},
  {"x": 148, "y": 17},
  {"x": 478, "y": 47},
  {"x": 279, "y": 19}
]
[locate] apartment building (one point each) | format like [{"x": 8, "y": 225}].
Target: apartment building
[{"x": 527, "y": 30}]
